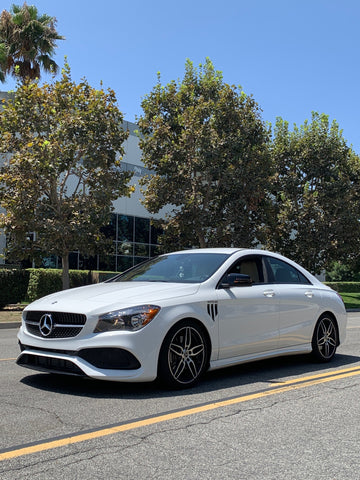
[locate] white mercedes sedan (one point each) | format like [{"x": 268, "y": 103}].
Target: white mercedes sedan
[{"x": 180, "y": 314}]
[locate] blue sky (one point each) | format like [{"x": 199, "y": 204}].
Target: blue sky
[{"x": 293, "y": 56}]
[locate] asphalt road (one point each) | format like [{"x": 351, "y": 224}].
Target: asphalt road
[{"x": 288, "y": 418}]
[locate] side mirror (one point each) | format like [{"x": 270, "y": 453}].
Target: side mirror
[{"x": 236, "y": 280}]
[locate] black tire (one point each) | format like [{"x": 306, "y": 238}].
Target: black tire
[
  {"x": 325, "y": 339},
  {"x": 183, "y": 356}
]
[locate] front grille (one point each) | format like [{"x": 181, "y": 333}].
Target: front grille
[{"x": 64, "y": 325}]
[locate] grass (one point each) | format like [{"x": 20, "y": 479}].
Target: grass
[{"x": 351, "y": 300}]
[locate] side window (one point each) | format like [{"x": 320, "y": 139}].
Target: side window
[
  {"x": 251, "y": 266},
  {"x": 282, "y": 272}
]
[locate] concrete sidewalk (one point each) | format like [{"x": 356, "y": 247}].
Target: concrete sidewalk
[{"x": 10, "y": 318}]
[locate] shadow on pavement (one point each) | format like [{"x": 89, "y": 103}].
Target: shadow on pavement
[{"x": 262, "y": 371}]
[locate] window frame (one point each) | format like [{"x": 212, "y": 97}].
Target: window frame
[
  {"x": 271, "y": 274},
  {"x": 262, "y": 271}
]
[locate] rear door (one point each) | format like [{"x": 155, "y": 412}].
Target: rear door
[{"x": 299, "y": 302}]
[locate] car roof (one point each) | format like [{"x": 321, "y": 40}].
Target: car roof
[
  {"x": 249, "y": 251},
  {"x": 228, "y": 251}
]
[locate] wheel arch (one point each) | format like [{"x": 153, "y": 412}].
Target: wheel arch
[{"x": 199, "y": 324}]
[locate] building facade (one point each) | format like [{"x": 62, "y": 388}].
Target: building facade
[{"x": 132, "y": 237}]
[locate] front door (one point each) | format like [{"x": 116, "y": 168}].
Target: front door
[{"x": 248, "y": 315}]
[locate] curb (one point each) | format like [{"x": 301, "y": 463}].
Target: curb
[{"x": 10, "y": 325}]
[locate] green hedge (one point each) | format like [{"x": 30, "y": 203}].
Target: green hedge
[
  {"x": 13, "y": 286},
  {"x": 345, "y": 287},
  {"x": 28, "y": 285},
  {"x": 44, "y": 281}
]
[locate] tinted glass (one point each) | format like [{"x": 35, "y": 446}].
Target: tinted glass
[
  {"x": 142, "y": 230},
  {"x": 155, "y": 233},
  {"x": 177, "y": 268},
  {"x": 110, "y": 230},
  {"x": 249, "y": 266},
  {"x": 125, "y": 228},
  {"x": 284, "y": 273},
  {"x": 124, "y": 263}
]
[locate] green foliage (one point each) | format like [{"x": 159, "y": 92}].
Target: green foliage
[
  {"x": 13, "y": 286},
  {"x": 316, "y": 194},
  {"x": 351, "y": 300},
  {"x": 208, "y": 148},
  {"x": 19, "y": 285},
  {"x": 345, "y": 287},
  {"x": 27, "y": 43},
  {"x": 64, "y": 143},
  {"x": 42, "y": 282},
  {"x": 340, "y": 272},
  {"x": 45, "y": 281}
]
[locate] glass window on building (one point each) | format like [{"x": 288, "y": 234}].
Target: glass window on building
[
  {"x": 142, "y": 250},
  {"x": 74, "y": 261},
  {"x": 125, "y": 248},
  {"x": 124, "y": 263},
  {"x": 125, "y": 228},
  {"x": 155, "y": 250},
  {"x": 155, "y": 233},
  {"x": 110, "y": 230},
  {"x": 107, "y": 263},
  {"x": 142, "y": 230},
  {"x": 132, "y": 240}
]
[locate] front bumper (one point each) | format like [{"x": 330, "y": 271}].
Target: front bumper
[{"x": 110, "y": 356}]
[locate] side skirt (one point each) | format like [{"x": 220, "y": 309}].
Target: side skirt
[{"x": 226, "y": 362}]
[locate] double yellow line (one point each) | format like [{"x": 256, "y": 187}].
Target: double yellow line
[{"x": 281, "y": 387}]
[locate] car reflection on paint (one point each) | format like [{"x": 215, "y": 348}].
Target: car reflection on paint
[{"x": 180, "y": 314}]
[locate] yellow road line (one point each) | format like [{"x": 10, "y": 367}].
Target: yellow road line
[
  {"x": 293, "y": 385},
  {"x": 319, "y": 375},
  {"x": 6, "y": 359}
]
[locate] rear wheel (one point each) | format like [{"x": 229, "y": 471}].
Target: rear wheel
[
  {"x": 325, "y": 339},
  {"x": 183, "y": 356}
]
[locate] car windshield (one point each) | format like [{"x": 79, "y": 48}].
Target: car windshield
[{"x": 176, "y": 268}]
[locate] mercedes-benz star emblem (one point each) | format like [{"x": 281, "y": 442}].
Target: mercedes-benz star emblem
[{"x": 46, "y": 325}]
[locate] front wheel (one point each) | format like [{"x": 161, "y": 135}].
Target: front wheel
[
  {"x": 183, "y": 355},
  {"x": 325, "y": 339}
]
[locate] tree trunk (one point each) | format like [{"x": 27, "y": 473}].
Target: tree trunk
[
  {"x": 65, "y": 272},
  {"x": 201, "y": 238}
]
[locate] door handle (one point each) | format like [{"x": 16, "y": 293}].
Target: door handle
[
  {"x": 309, "y": 294},
  {"x": 269, "y": 293}
]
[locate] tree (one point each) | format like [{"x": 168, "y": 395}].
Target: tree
[
  {"x": 316, "y": 194},
  {"x": 27, "y": 42},
  {"x": 207, "y": 146},
  {"x": 62, "y": 172}
]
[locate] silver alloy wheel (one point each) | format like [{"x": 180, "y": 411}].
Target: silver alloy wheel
[
  {"x": 325, "y": 339},
  {"x": 186, "y": 355}
]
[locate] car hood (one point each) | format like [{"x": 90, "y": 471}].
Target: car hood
[{"x": 112, "y": 295}]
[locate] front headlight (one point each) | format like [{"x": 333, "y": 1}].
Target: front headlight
[{"x": 131, "y": 319}]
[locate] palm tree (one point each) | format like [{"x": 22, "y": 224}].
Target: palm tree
[{"x": 27, "y": 43}]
